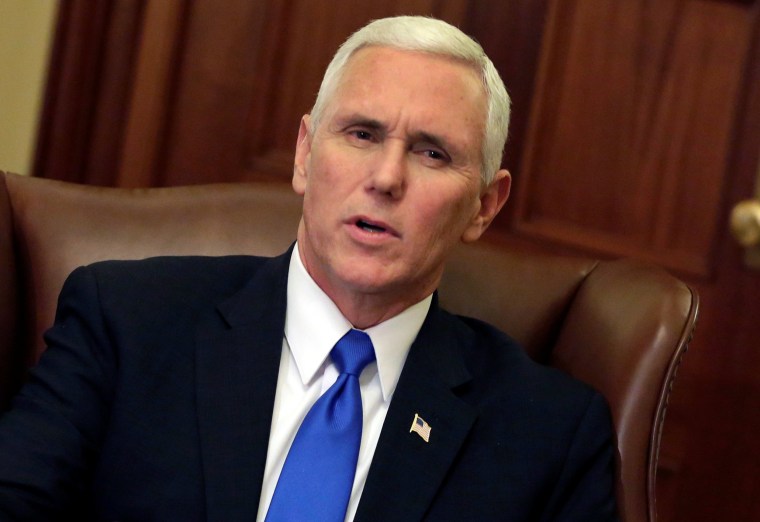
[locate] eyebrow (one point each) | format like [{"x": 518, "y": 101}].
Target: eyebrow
[
  {"x": 416, "y": 137},
  {"x": 435, "y": 140},
  {"x": 362, "y": 121}
]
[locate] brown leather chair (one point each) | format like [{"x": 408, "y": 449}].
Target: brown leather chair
[{"x": 619, "y": 325}]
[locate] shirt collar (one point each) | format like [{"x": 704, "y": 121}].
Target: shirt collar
[{"x": 313, "y": 324}]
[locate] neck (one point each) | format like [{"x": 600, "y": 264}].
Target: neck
[
  {"x": 364, "y": 308},
  {"x": 365, "y": 311}
]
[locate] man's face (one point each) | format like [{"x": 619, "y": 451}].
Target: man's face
[{"x": 391, "y": 176}]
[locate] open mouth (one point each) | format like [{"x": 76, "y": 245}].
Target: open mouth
[{"x": 369, "y": 227}]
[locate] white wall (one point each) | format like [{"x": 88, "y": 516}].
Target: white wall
[{"x": 26, "y": 31}]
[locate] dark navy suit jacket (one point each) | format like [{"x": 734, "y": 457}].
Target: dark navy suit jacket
[{"x": 154, "y": 402}]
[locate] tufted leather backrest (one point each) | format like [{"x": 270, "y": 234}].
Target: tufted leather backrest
[{"x": 621, "y": 326}]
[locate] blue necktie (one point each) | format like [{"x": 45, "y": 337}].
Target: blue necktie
[{"x": 316, "y": 480}]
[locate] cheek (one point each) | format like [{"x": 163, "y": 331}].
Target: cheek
[
  {"x": 448, "y": 216},
  {"x": 319, "y": 186},
  {"x": 327, "y": 187},
  {"x": 329, "y": 172}
]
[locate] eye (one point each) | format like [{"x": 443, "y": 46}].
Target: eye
[
  {"x": 431, "y": 154},
  {"x": 361, "y": 134},
  {"x": 434, "y": 154}
]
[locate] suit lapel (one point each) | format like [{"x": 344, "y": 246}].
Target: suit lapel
[
  {"x": 237, "y": 362},
  {"x": 406, "y": 471}
]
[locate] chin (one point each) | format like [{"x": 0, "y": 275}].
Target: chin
[{"x": 366, "y": 281}]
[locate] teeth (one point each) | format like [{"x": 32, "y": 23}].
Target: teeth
[{"x": 366, "y": 226}]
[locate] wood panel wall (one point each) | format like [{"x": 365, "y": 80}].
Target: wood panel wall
[
  {"x": 179, "y": 91},
  {"x": 632, "y": 127}
]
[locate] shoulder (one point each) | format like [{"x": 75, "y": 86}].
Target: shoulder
[
  {"x": 160, "y": 287},
  {"x": 175, "y": 268},
  {"x": 171, "y": 273},
  {"x": 543, "y": 411},
  {"x": 506, "y": 375},
  {"x": 547, "y": 434}
]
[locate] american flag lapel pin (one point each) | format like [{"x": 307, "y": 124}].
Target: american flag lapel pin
[{"x": 420, "y": 427}]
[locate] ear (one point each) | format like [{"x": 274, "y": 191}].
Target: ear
[
  {"x": 303, "y": 149},
  {"x": 492, "y": 199}
]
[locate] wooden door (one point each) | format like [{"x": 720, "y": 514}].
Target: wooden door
[
  {"x": 636, "y": 127},
  {"x": 643, "y": 134}
]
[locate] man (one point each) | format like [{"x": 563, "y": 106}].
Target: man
[{"x": 186, "y": 388}]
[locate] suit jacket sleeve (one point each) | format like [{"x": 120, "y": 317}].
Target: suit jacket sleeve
[
  {"x": 50, "y": 439},
  {"x": 585, "y": 488}
]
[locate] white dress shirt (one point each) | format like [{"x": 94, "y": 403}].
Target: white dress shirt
[{"x": 313, "y": 324}]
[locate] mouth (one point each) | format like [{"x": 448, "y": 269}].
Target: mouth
[
  {"x": 374, "y": 227},
  {"x": 369, "y": 227}
]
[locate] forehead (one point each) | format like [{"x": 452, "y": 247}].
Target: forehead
[{"x": 422, "y": 89}]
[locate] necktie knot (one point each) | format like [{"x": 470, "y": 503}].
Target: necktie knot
[{"x": 353, "y": 352}]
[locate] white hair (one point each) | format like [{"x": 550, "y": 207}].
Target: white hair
[{"x": 429, "y": 35}]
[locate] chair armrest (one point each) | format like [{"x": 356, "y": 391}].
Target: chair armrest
[{"x": 625, "y": 334}]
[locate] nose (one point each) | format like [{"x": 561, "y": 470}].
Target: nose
[{"x": 388, "y": 174}]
